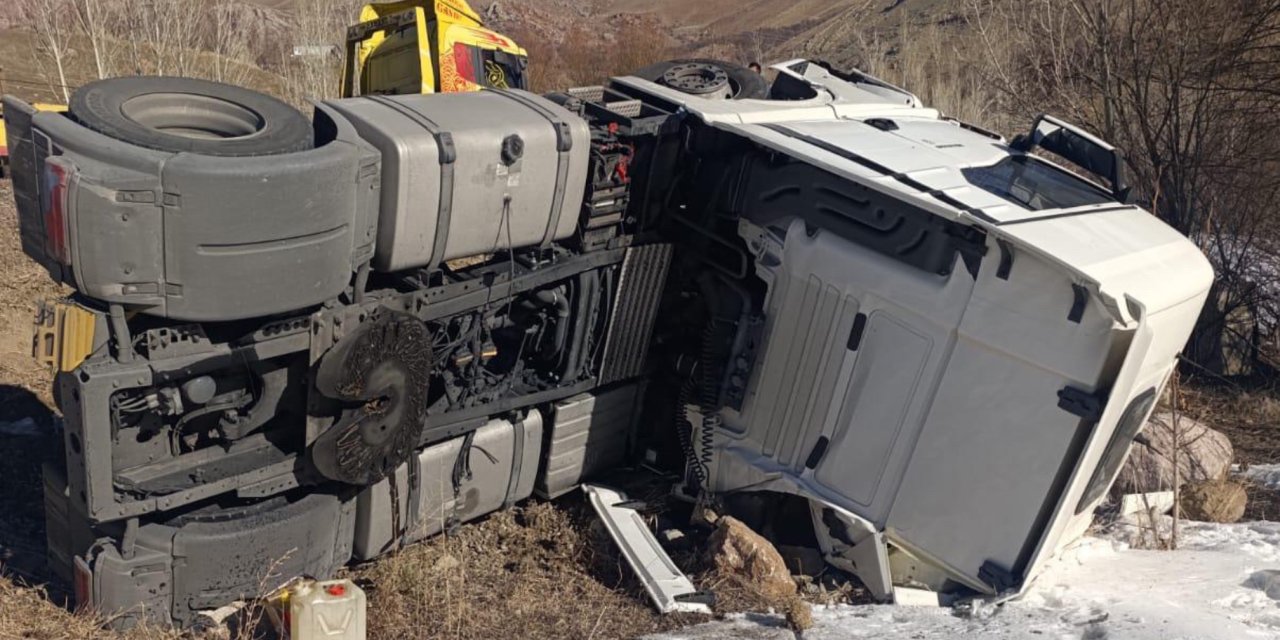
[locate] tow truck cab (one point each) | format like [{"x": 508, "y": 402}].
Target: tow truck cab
[{"x": 428, "y": 46}]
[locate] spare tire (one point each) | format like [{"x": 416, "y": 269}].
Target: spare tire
[
  {"x": 707, "y": 78},
  {"x": 196, "y": 116}
]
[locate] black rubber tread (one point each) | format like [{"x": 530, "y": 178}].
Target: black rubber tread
[
  {"x": 748, "y": 84},
  {"x": 99, "y": 106}
]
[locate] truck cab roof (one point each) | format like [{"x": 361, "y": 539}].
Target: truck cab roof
[{"x": 869, "y": 131}]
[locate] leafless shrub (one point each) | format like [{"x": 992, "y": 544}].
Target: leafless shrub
[
  {"x": 1185, "y": 87},
  {"x": 51, "y": 20},
  {"x": 318, "y": 26},
  {"x": 93, "y": 16},
  {"x": 229, "y": 41}
]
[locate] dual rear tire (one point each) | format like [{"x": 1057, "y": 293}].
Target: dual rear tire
[{"x": 189, "y": 115}]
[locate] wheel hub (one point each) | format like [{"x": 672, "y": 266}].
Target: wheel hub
[{"x": 700, "y": 79}]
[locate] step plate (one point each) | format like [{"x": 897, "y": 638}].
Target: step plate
[{"x": 666, "y": 585}]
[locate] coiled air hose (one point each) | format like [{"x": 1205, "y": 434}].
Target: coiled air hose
[
  {"x": 684, "y": 431},
  {"x": 707, "y": 379}
]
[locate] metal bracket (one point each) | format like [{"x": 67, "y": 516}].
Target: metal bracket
[
  {"x": 1080, "y": 300},
  {"x": 1078, "y": 402},
  {"x": 1006, "y": 260}
]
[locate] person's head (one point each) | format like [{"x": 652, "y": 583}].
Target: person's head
[{"x": 755, "y": 66}]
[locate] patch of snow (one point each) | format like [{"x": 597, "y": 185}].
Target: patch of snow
[
  {"x": 1267, "y": 475},
  {"x": 24, "y": 428},
  {"x": 748, "y": 626},
  {"x": 1214, "y": 588},
  {"x": 1157, "y": 501},
  {"x": 1257, "y": 540}
]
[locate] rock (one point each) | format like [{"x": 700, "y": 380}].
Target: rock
[
  {"x": 1218, "y": 501},
  {"x": 704, "y": 517},
  {"x": 802, "y": 561},
  {"x": 675, "y": 540},
  {"x": 1204, "y": 455},
  {"x": 1266, "y": 581},
  {"x": 737, "y": 550}
]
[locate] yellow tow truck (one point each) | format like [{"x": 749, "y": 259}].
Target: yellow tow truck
[
  {"x": 428, "y": 46},
  {"x": 4, "y": 144}
]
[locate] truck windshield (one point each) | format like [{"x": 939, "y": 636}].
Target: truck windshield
[{"x": 1035, "y": 185}]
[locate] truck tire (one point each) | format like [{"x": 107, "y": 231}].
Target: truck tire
[
  {"x": 189, "y": 115},
  {"x": 707, "y": 78}
]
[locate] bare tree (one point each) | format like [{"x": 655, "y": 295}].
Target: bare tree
[
  {"x": 93, "y": 18},
  {"x": 319, "y": 27},
  {"x": 230, "y": 41},
  {"x": 162, "y": 36},
  {"x": 1182, "y": 85},
  {"x": 51, "y": 20},
  {"x": 183, "y": 21}
]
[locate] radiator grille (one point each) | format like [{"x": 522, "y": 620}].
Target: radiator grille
[{"x": 644, "y": 272}]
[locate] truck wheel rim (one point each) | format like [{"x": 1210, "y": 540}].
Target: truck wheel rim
[
  {"x": 193, "y": 116},
  {"x": 699, "y": 78}
]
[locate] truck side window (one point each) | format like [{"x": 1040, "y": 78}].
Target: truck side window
[
  {"x": 490, "y": 68},
  {"x": 1130, "y": 423},
  {"x": 1035, "y": 185}
]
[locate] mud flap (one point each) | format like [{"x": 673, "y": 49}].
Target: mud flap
[{"x": 666, "y": 585}]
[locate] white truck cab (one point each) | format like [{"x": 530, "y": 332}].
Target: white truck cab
[{"x": 963, "y": 426}]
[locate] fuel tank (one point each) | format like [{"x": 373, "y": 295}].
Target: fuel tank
[{"x": 468, "y": 174}]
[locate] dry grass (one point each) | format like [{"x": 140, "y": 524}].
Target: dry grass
[
  {"x": 28, "y": 614},
  {"x": 540, "y": 570},
  {"x": 24, "y": 283},
  {"x": 1249, "y": 417},
  {"x": 547, "y": 570}
]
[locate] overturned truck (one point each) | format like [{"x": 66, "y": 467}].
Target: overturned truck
[{"x": 299, "y": 344}]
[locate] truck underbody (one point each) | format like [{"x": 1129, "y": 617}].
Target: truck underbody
[{"x": 451, "y": 303}]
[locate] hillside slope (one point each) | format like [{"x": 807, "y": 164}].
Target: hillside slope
[{"x": 868, "y": 34}]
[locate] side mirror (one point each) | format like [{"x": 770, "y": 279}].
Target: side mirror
[{"x": 1081, "y": 148}]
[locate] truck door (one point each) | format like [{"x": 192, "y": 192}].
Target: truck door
[
  {"x": 388, "y": 52},
  {"x": 856, "y": 341},
  {"x": 862, "y": 313}
]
